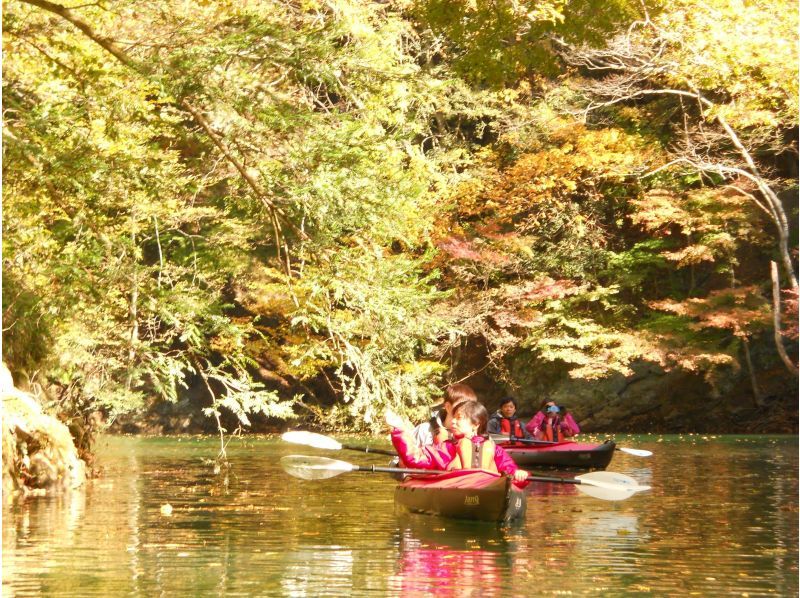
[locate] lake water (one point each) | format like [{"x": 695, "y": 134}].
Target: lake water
[{"x": 721, "y": 519}]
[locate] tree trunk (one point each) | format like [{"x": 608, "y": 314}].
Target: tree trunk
[
  {"x": 757, "y": 396},
  {"x": 776, "y": 318}
]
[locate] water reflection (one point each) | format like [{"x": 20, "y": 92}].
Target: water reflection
[
  {"x": 451, "y": 558},
  {"x": 721, "y": 518},
  {"x": 301, "y": 577}
]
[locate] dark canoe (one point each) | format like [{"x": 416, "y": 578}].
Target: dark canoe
[
  {"x": 577, "y": 455},
  {"x": 463, "y": 494}
]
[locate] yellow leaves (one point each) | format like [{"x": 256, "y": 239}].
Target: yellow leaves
[
  {"x": 310, "y": 5},
  {"x": 699, "y": 361},
  {"x": 746, "y": 49},
  {"x": 691, "y": 255}
]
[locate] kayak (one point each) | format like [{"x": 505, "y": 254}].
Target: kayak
[
  {"x": 578, "y": 455},
  {"x": 463, "y": 494}
]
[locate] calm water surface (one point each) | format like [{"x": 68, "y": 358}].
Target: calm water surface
[{"x": 722, "y": 519}]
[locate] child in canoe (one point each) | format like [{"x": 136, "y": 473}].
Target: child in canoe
[{"x": 468, "y": 449}]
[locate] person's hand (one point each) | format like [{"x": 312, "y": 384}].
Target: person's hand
[
  {"x": 395, "y": 421},
  {"x": 520, "y": 475}
]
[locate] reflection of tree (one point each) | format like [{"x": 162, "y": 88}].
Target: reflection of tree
[{"x": 41, "y": 538}]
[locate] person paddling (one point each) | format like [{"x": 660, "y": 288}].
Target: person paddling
[
  {"x": 468, "y": 449},
  {"x": 504, "y": 421},
  {"x": 552, "y": 423}
]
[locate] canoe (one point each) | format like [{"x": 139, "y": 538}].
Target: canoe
[
  {"x": 577, "y": 455},
  {"x": 463, "y": 494}
]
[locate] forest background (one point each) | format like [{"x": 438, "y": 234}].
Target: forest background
[{"x": 231, "y": 213}]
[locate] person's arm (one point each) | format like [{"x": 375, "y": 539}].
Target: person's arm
[
  {"x": 506, "y": 465},
  {"x": 423, "y": 434},
  {"x": 422, "y": 457},
  {"x": 569, "y": 427},
  {"x": 535, "y": 424}
]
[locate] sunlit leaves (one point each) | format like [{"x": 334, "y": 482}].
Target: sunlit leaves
[
  {"x": 744, "y": 50},
  {"x": 742, "y": 311}
]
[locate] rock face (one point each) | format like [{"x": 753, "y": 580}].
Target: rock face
[
  {"x": 39, "y": 456},
  {"x": 651, "y": 400},
  {"x": 655, "y": 401}
]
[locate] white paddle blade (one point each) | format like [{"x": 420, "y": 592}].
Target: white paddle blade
[
  {"x": 312, "y": 439},
  {"x": 637, "y": 452},
  {"x": 314, "y": 468},
  {"x": 609, "y": 485},
  {"x": 605, "y": 493}
]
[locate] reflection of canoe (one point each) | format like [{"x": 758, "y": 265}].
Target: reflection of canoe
[
  {"x": 578, "y": 455},
  {"x": 444, "y": 564},
  {"x": 548, "y": 489},
  {"x": 463, "y": 494},
  {"x": 457, "y": 534}
]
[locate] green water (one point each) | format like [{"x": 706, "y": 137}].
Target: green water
[{"x": 721, "y": 519}]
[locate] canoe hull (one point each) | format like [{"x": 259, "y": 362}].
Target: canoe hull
[
  {"x": 470, "y": 494},
  {"x": 573, "y": 455}
]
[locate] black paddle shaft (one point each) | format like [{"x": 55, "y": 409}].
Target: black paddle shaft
[
  {"x": 375, "y": 468},
  {"x": 366, "y": 449}
]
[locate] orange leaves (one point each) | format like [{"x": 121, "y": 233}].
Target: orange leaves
[
  {"x": 705, "y": 210},
  {"x": 741, "y": 311},
  {"x": 790, "y": 331},
  {"x": 466, "y": 250},
  {"x": 659, "y": 211},
  {"x": 540, "y": 290},
  {"x": 711, "y": 223},
  {"x": 688, "y": 256},
  {"x": 573, "y": 168}
]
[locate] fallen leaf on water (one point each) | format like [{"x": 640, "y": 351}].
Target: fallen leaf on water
[{"x": 166, "y": 510}]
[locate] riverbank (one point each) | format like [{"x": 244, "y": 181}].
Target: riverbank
[{"x": 39, "y": 455}]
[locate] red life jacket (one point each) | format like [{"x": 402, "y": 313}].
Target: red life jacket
[
  {"x": 551, "y": 428},
  {"x": 505, "y": 427},
  {"x": 473, "y": 455}
]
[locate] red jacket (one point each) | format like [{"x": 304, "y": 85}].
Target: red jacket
[{"x": 438, "y": 456}]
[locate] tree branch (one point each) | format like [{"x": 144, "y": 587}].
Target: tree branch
[{"x": 113, "y": 48}]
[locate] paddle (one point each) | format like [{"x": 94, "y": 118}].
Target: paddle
[
  {"x": 326, "y": 442},
  {"x": 504, "y": 438},
  {"x": 606, "y": 485}
]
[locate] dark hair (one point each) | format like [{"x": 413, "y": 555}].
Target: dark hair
[
  {"x": 506, "y": 400},
  {"x": 475, "y": 412},
  {"x": 545, "y": 402},
  {"x": 455, "y": 393}
]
